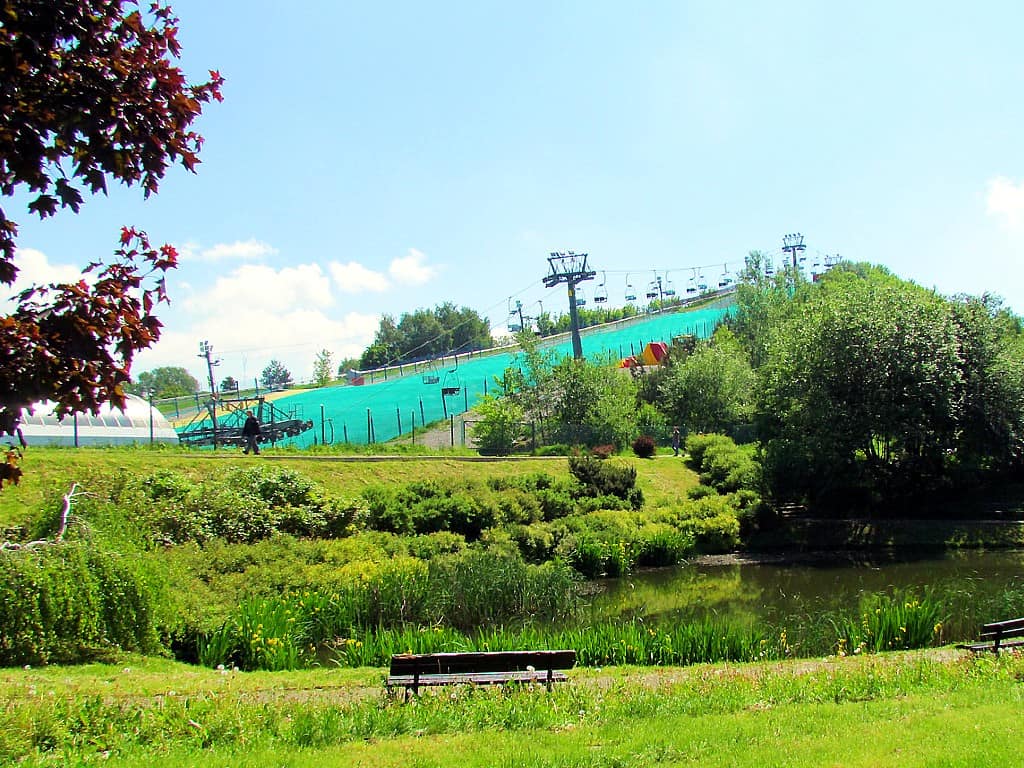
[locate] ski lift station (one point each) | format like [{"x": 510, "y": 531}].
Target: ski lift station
[{"x": 138, "y": 423}]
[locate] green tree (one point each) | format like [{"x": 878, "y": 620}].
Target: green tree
[
  {"x": 229, "y": 384},
  {"x": 712, "y": 389},
  {"x": 275, "y": 375},
  {"x": 499, "y": 427},
  {"x": 322, "y": 368},
  {"x": 862, "y": 390},
  {"x": 168, "y": 381},
  {"x": 425, "y": 334}
]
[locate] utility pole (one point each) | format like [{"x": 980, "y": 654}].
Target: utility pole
[
  {"x": 570, "y": 268},
  {"x": 206, "y": 351},
  {"x": 793, "y": 245}
]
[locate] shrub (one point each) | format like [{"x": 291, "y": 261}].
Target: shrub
[
  {"x": 71, "y": 602},
  {"x": 602, "y": 451},
  {"x": 644, "y": 446},
  {"x": 601, "y": 478},
  {"x": 518, "y": 506},
  {"x": 535, "y": 543},
  {"x": 698, "y": 444},
  {"x": 660, "y": 544}
]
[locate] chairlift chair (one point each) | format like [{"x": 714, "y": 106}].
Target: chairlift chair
[
  {"x": 514, "y": 325},
  {"x": 581, "y": 299},
  {"x": 630, "y": 290},
  {"x": 652, "y": 289},
  {"x": 601, "y": 294},
  {"x": 431, "y": 376},
  {"x": 669, "y": 289},
  {"x": 452, "y": 384},
  {"x": 725, "y": 281}
]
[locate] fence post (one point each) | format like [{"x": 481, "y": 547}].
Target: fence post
[
  {"x": 452, "y": 427},
  {"x": 398, "y": 415},
  {"x": 412, "y": 418},
  {"x": 444, "y": 406},
  {"x": 369, "y": 428},
  {"x": 344, "y": 431},
  {"x": 423, "y": 417},
  {"x": 323, "y": 427}
]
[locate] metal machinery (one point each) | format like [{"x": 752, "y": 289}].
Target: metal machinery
[{"x": 275, "y": 423}]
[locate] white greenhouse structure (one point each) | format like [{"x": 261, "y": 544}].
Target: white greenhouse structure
[{"x": 138, "y": 423}]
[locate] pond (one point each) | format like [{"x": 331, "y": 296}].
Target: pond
[{"x": 972, "y": 587}]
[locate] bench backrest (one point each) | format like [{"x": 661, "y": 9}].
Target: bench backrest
[
  {"x": 1010, "y": 628},
  {"x": 480, "y": 661}
]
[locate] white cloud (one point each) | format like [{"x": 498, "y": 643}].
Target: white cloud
[
  {"x": 1006, "y": 199},
  {"x": 240, "y": 250},
  {"x": 256, "y": 313},
  {"x": 246, "y": 340},
  {"x": 355, "y": 278},
  {"x": 258, "y": 285},
  {"x": 412, "y": 269},
  {"x": 34, "y": 268}
]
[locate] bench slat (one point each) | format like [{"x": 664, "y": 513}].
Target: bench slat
[
  {"x": 412, "y": 670},
  {"x": 996, "y": 636},
  {"x": 480, "y": 661},
  {"x": 477, "y": 678}
]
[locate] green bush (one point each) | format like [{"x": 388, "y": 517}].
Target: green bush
[
  {"x": 606, "y": 478},
  {"x": 661, "y": 544},
  {"x": 698, "y": 444},
  {"x": 70, "y": 602}
]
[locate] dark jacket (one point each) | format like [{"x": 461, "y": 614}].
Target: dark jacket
[{"x": 252, "y": 427}]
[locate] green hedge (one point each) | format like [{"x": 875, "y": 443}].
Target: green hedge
[{"x": 70, "y": 602}]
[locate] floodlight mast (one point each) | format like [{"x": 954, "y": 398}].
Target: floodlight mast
[
  {"x": 206, "y": 351},
  {"x": 570, "y": 268}
]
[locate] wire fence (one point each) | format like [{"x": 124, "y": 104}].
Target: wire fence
[{"x": 392, "y": 403}]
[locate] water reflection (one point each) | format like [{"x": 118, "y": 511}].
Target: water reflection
[{"x": 969, "y": 583}]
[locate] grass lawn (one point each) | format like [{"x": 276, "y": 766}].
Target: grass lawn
[
  {"x": 49, "y": 472},
  {"x": 927, "y": 708}
]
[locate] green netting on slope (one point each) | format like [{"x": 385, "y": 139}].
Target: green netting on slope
[{"x": 348, "y": 411}]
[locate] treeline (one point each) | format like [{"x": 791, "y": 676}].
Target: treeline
[
  {"x": 869, "y": 389},
  {"x": 552, "y": 325},
  {"x": 860, "y": 389},
  {"x": 426, "y": 334}
]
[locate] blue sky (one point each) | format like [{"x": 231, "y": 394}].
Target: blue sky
[{"x": 376, "y": 158}]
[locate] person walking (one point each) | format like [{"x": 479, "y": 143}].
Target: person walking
[
  {"x": 675, "y": 441},
  {"x": 251, "y": 432}
]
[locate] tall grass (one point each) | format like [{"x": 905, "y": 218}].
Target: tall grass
[
  {"x": 302, "y": 630},
  {"x": 897, "y": 621}
]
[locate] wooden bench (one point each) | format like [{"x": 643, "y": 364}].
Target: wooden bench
[
  {"x": 411, "y": 670},
  {"x": 994, "y": 636}
]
